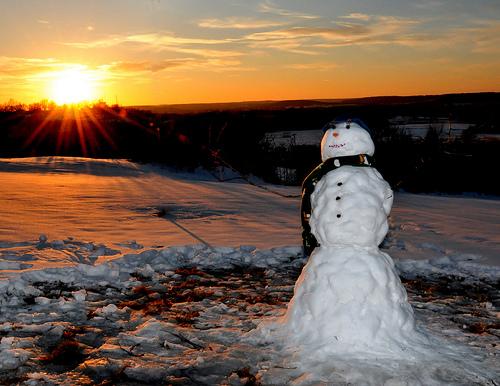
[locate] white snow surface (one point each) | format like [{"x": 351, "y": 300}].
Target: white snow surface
[{"x": 79, "y": 237}]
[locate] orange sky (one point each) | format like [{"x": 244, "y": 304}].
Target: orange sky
[{"x": 183, "y": 51}]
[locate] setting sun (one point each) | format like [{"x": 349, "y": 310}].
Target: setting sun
[{"x": 73, "y": 86}]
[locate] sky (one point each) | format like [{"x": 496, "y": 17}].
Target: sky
[{"x": 142, "y": 52}]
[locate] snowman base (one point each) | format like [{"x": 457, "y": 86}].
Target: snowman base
[
  {"x": 349, "y": 322},
  {"x": 350, "y": 299}
]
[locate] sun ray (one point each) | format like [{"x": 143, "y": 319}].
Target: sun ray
[
  {"x": 125, "y": 118},
  {"x": 81, "y": 133},
  {"x": 39, "y": 129},
  {"x": 90, "y": 130},
  {"x": 64, "y": 132},
  {"x": 88, "y": 113}
]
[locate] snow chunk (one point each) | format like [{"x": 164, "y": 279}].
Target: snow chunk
[{"x": 11, "y": 358}]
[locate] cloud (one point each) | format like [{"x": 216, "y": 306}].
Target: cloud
[
  {"x": 311, "y": 38},
  {"x": 341, "y": 31},
  {"x": 352, "y": 29},
  {"x": 152, "y": 39},
  {"x": 131, "y": 67},
  {"x": 318, "y": 66},
  {"x": 357, "y": 16},
  {"x": 295, "y": 46},
  {"x": 166, "y": 39},
  {"x": 482, "y": 35},
  {"x": 164, "y": 42},
  {"x": 298, "y": 40},
  {"x": 269, "y": 7},
  {"x": 239, "y": 23},
  {"x": 127, "y": 69},
  {"x": 208, "y": 53},
  {"x": 361, "y": 29},
  {"x": 479, "y": 36},
  {"x": 16, "y": 67}
]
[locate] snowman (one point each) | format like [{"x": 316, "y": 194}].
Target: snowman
[{"x": 348, "y": 298}]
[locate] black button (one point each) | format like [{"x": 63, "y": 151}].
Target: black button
[
  {"x": 337, "y": 198},
  {"x": 339, "y": 215},
  {"x": 339, "y": 184}
]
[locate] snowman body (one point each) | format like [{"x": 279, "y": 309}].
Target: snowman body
[
  {"x": 350, "y": 206},
  {"x": 349, "y": 297}
]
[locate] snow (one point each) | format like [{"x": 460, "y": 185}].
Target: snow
[
  {"x": 349, "y": 299},
  {"x": 346, "y": 139},
  {"x": 425, "y": 226},
  {"x": 350, "y": 206},
  {"x": 107, "y": 291},
  {"x": 119, "y": 202},
  {"x": 121, "y": 321}
]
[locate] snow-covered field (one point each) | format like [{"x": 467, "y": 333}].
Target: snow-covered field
[{"x": 93, "y": 289}]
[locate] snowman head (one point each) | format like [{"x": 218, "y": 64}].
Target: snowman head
[{"x": 346, "y": 138}]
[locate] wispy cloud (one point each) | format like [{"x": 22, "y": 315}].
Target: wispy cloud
[
  {"x": 269, "y": 7},
  {"x": 483, "y": 35},
  {"x": 239, "y": 23},
  {"x": 163, "y": 42},
  {"x": 339, "y": 32},
  {"x": 295, "y": 46},
  {"x": 208, "y": 53},
  {"x": 357, "y": 29},
  {"x": 318, "y": 66},
  {"x": 153, "y": 39},
  {"x": 167, "y": 39},
  {"x": 18, "y": 67},
  {"x": 478, "y": 36},
  {"x": 123, "y": 69},
  {"x": 352, "y": 29},
  {"x": 357, "y": 16},
  {"x": 299, "y": 40}
]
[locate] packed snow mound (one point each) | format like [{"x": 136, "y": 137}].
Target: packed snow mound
[
  {"x": 350, "y": 205},
  {"x": 350, "y": 299}
]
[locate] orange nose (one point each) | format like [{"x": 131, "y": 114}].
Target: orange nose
[{"x": 335, "y": 134}]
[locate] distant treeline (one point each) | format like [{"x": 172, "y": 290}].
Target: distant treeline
[{"x": 235, "y": 137}]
